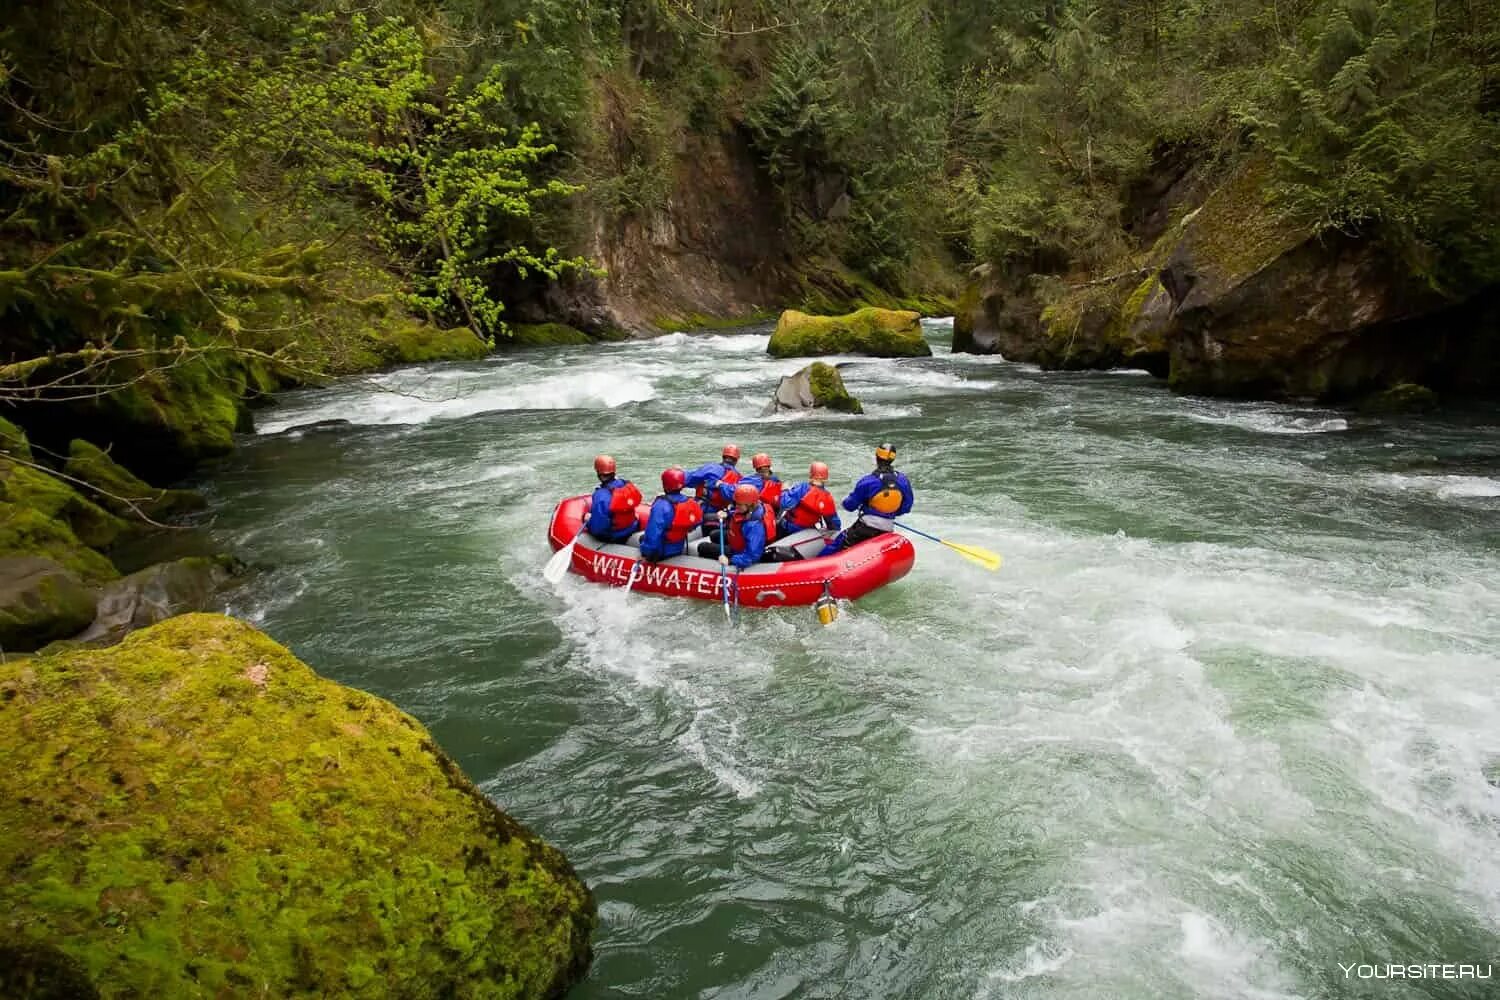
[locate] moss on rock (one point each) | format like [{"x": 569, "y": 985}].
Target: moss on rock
[
  {"x": 52, "y": 497},
  {"x": 412, "y": 342},
  {"x": 882, "y": 333},
  {"x": 39, "y": 602},
  {"x": 13, "y": 440},
  {"x": 194, "y": 811},
  {"x": 120, "y": 491},
  {"x": 25, "y": 531},
  {"x": 546, "y": 335},
  {"x": 1407, "y": 397},
  {"x": 828, "y": 389}
]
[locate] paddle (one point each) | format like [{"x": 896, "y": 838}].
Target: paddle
[
  {"x": 724, "y": 567},
  {"x": 984, "y": 557},
  {"x": 557, "y": 566}
]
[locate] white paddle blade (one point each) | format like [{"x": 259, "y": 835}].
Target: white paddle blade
[{"x": 557, "y": 566}]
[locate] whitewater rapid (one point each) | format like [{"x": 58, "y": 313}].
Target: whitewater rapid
[{"x": 1222, "y": 721}]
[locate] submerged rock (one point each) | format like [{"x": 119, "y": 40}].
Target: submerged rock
[
  {"x": 817, "y": 385},
  {"x": 1404, "y": 398},
  {"x": 40, "y": 601},
  {"x": 195, "y": 812},
  {"x": 881, "y": 333}
]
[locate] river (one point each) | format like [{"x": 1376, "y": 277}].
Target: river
[{"x": 1220, "y": 726}]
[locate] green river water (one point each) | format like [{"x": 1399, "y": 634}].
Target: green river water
[{"x": 1220, "y": 725}]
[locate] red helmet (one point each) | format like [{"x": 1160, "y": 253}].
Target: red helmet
[
  {"x": 673, "y": 479},
  {"x": 746, "y": 493},
  {"x": 818, "y": 470},
  {"x": 760, "y": 461},
  {"x": 731, "y": 452},
  {"x": 604, "y": 465}
]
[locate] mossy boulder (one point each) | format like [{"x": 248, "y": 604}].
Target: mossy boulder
[
  {"x": 412, "y": 342},
  {"x": 1407, "y": 397},
  {"x": 39, "y": 602},
  {"x": 881, "y": 333},
  {"x": 195, "y": 812},
  {"x": 546, "y": 335},
  {"x": 120, "y": 491},
  {"x": 13, "y": 440},
  {"x": 25, "y": 531},
  {"x": 817, "y": 385}
]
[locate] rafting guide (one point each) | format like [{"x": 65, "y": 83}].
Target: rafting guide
[{"x": 745, "y": 540}]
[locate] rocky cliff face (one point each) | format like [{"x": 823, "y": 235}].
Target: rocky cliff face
[
  {"x": 715, "y": 248},
  {"x": 1232, "y": 300}
]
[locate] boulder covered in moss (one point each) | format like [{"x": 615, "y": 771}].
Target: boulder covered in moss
[
  {"x": 818, "y": 385},
  {"x": 546, "y": 335},
  {"x": 13, "y": 440},
  {"x": 195, "y": 812},
  {"x": 1407, "y": 397},
  {"x": 40, "y": 601},
  {"x": 44, "y": 516},
  {"x": 120, "y": 491},
  {"x": 881, "y": 333},
  {"x": 411, "y": 342}
]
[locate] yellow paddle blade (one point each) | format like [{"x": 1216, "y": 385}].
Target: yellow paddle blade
[{"x": 984, "y": 557}]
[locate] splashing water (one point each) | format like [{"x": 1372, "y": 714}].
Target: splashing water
[{"x": 1221, "y": 723}]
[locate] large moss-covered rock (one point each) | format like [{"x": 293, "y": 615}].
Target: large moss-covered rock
[
  {"x": 54, "y": 498},
  {"x": 817, "y": 385},
  {"x": 25, "y": 531},
  {"x": 39, "y": 602},
  {"x": 160, "y": 421},
  {"x": 43, "y": 516},
  {"x": 546, "y": 335},
  {"x": 882, "y": 333},
  {"x": 118, "y": 489},
  {"x": 13, "y": 440},
  {"x": 411, "y": 342},
  {"x": 195, "y": 812}
]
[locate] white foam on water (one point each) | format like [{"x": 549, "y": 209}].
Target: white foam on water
[
  {"x": 1443, "y": 487},
  {"x": 937, "y": 321},
  {"x": 1039, "y": 959},
  {"x": 1271, "y": 422},
  {"x": 709, "y": 740},
  {"x": 898, "y": 377},
  {"x": 679, "y": 343},
  {"x": 580, "y": 390}
]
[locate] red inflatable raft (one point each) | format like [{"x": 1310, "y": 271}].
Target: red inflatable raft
[{"x": 852, "y": 573}]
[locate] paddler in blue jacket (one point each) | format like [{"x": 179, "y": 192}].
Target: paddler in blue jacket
[
  {"x": 612, "y": 515},
  {"x": 880, "y": 497},
  {"x": 705, "y": 481},
  {"x": 745, "y": 531},
  {"x": 673, "y": 515}
]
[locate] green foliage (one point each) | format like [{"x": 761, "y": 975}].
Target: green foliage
[
  {"x": 1375, "y": 131},
  {"x": 451, "y": 185}
]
